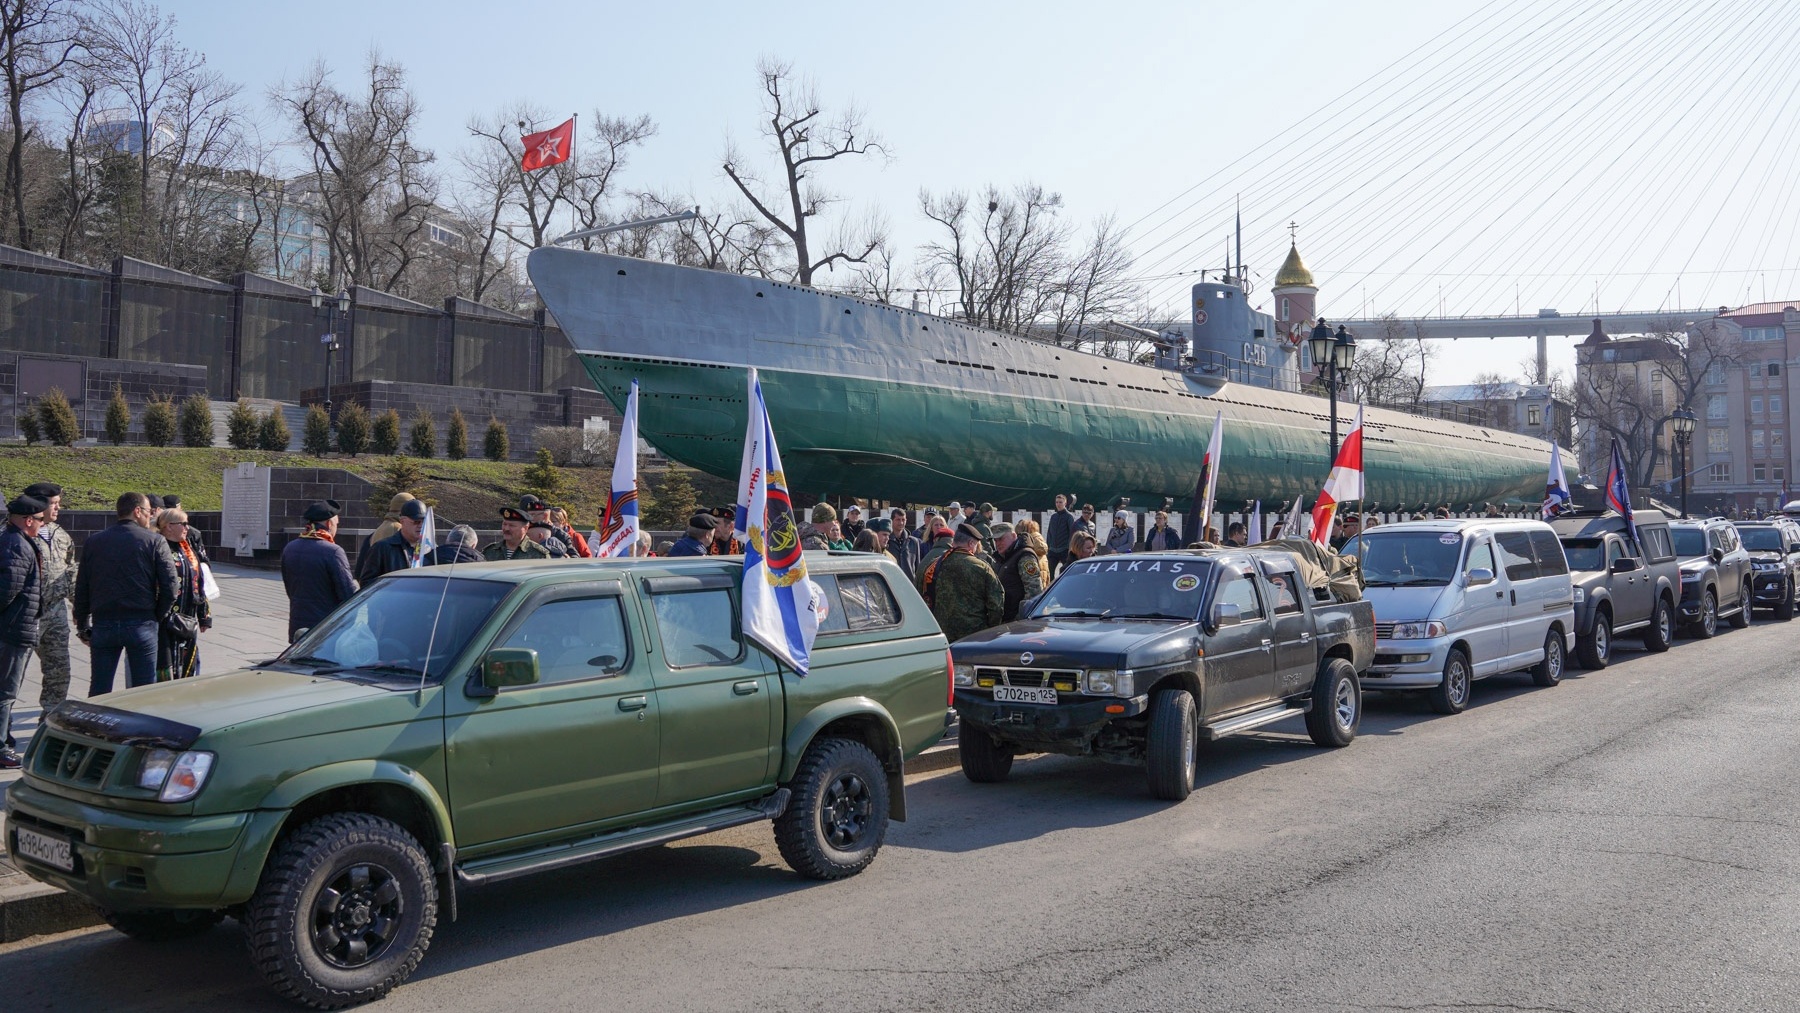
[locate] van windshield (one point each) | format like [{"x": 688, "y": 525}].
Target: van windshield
[
  {"x": 1689, "y": 542},
  {"x": 1135, "y": 588},
  {"x": 1585, "y": 553},
  {"x": 396, "y": 631},
  {"x": 1406, "y": 558}
]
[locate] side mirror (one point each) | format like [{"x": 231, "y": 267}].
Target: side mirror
[
  {"x": 1028, "y": 604},
  {"x": 308, "y": 629},
  {"x": 1624, "y": 564},
  {"x": 1718, "y": 555},
  {"x": 1480, "y": 575},
  {"x": 1226, "y": 614},
  {"x": 509, "y": 666}
]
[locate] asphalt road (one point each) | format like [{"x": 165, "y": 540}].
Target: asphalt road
[{"x": 1627, "y": 841}]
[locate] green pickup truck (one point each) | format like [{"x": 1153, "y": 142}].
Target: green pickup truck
[{"x": 447, "y": 730}]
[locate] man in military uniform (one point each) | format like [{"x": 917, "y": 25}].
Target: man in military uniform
[
  {"x": 963, "y": 592},
  {"x": 1021, "y": 572},
  {"x": 59, "y": 586},
  {"x": 513, "y": 544},
  {"x": 982, "y": 523}
]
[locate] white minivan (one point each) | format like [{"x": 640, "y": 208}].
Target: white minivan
[{"x": 1460, "y": 600}]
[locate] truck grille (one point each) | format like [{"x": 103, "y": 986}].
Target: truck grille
[
  {"x": 1384, "y": 631},
  {"x": 74, "y": 762},
  {"x": 1034, "y": 677}
]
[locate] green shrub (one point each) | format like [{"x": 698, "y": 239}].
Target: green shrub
[
  {"x": 29, "y": 429},
  {"x": 315, "y": 439},
  {"x": 402, "y": 474},
  {"x": 543, "y": 478},
  {"x": 118, "y": 417},
  {"x": 196, "y": 421},
  {"x": 674, "y": 503},
  {"x": 456, "y": 438},
  {"x": 57, "y": 418},
  {"x": 242, "y": 426},
  {"x": 272, "y": 432},
  {"x": 384, "y": 434},
  {"x": 353, "y": 429},
  {"x": 159, "y": 421},
  {"x": 423, "y": 442},
  {"x": 495, "y": 445}
]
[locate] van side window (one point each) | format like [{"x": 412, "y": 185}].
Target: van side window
[
  {"x": 698, "y": 627},
  {"x": 1481, "y": 557},
  {"x": 1515, "y": 554},
  {"x": 1550, "y": 559}
]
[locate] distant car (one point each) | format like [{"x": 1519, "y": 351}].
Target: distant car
[
  {"x": 1622, "y": 583},
  {"x": 1715, "y": 575},
  {"x": 1774, "y": 547}
]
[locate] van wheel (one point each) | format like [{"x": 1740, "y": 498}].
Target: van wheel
[
  {"x": 1595, "y": 649},
  {"x": 1336, "y": 705},
  {"x": 1741, "y": 618},
  {"x": 344, "y": 912},
  {"x": 1171, "y": 746},
  {"x": 984, "y": 761},
  {"x": 1452, "y": 695},
  {"x": 839, "y": 813},
  {"x": 1549, "y": 672},
  {"x": 1707, "y": 626},
  {"x": 1784, "y": 610},
  {"x": 162, "y": 924},
  {"x": 1661, "y": 631}
]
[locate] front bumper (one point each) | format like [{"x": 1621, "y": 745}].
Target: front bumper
[
  {"x": 1767, "y": 589},
  {"x": 1408, "y": 664},
  {"x": 132, "y": 861},
  {"x": 1051, "y": 728}
]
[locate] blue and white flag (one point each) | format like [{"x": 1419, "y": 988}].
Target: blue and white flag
[
  {"x": 1618, "y": 490},
  {"x": 427, "y": 539},
  {"x": 618, "y": 533},
  {"x": 1556, "y": 488},
  {"x": 782, "y": 606}
]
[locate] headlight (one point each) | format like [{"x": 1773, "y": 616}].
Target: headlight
[
  {"x": 965, "y": 675},
  {"x": 1580, "y": 596},
  {"x": 1110, "y": 682},
  {"x": 178, "y": 776},
  {"x": 1418, "y": 631},
  {"x": 1689, "y": 578},
  {"x": 1767, "y": 567}
]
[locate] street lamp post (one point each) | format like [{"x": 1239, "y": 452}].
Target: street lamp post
[
  {"x": 1334, "y": 356},
  {"x": 1682, "y": 423},
  {"x": 340, "y": 305}
]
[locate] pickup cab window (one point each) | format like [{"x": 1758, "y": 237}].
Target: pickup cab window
[
  {"x": 698, "y": 627},
  {"x": 398, "y": 629},
  {"x": 1109, "y": 588},
  {"x": 1284, "y": 581},
  {"x": 575, "y": 639},
  {"x": 1239, "y": 589}
]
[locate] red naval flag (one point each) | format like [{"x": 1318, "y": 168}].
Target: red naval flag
[
  {"x": 549, "y": 147},
  {"x": 1345, "y": 483}
]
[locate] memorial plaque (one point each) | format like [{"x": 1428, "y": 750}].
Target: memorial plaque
[{"x": 244, "y": 521}]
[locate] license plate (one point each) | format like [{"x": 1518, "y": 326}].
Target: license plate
[
  {"x": 52, "y": 851},
  {"x": 1024, "y": 694}
]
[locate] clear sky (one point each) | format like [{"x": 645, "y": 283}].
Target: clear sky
[{"x": 1455, "y": 157}]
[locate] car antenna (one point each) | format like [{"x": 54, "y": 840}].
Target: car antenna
[{"x": 431, "y": 641}]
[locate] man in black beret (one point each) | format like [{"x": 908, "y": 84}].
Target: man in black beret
[
  {"x": 21, "y": 605},
  {"x": 513, "y": 544},
  {"x": 59, "y": 586},
  {"x": 699, "y": 536},
  {"x": 315, "y": 570}
]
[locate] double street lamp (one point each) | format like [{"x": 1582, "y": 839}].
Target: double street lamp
[
  {"x": 1332, "y": 355},
  {"x": 1681, "y": 423},
  {"x": 330, "y": 339}
]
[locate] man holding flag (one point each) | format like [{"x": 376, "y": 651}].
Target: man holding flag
[
  {"x": 780, "y": 602},
  {"x": 1345, "y": 483},
  {"x": 618, "y": 531}
]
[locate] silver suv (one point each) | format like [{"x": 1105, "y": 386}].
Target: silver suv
[{"x": 1716, "y": 575}]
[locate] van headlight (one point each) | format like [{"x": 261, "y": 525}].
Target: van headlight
[
  {"x": 1418, "y": 631},
  {"x": 1110, "y": 682},
  {"x": 176, "y": 777}
]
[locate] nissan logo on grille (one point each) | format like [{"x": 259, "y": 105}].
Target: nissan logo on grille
[{"x": 1027, "y": 658}]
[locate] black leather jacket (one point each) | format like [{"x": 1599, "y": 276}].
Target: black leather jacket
[{"x": 127, "y": 573}]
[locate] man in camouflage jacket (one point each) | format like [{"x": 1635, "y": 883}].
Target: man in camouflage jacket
[
  {"x": 962, "y": 591},
  {"x": 60, "y": 562}
]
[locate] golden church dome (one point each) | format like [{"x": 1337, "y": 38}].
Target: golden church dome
[{"x": 1293, "y": 271}]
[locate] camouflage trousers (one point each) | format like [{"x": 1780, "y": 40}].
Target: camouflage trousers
[{"x": 53, "y": 655}]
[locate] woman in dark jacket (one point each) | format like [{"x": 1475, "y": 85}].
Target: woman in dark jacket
[{"x": 177, "y": 653}]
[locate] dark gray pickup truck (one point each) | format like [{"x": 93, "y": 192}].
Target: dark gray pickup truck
[{"x": 1133, "y": 658}]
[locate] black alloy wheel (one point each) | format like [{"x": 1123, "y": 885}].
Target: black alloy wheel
[
  {"x": 847, "y": 812},
  {"x": 356, "y": 916}
]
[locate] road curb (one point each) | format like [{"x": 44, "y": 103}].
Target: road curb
[{"x": 33, "y": 909}]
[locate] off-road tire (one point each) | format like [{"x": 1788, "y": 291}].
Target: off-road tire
[
  {"x": 1595, "y": 649},
  {"x": 1784, "y": 609},
  {"x": 1660, "y": 634},
  {"x": 838, "y": 815},
  {"x": 1451, "y": 696},
  {"x": 1549, "y": 671},
  {"x": 1172, "y": 744},
  {"x": 1707, "y": 626},
  {"x": 279, "y": 921},
  {"x": 984, "y": 761},
  {"x": 1741, "y": 618},
  {"x": 1336, "y": 705},
  {"x": 162, "y": 924}
]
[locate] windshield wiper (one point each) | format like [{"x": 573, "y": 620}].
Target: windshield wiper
[
  {"x": 400, "y": 669},
  {"x": 305, "y": 659},
  {"x": 1157, "y": 615},
  {"x": 1406, "y": 581},
  {"x": 1077, "y": 615}
]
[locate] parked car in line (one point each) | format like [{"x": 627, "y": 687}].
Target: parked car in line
[
  {"x": 456, "y": 727},
  {"x": 1462, "y": 600},
  {"x": 1715, "y": 575},
  {"x": 1136, "y": 658},
  {"x": 1774, "y": 547},
  {"x": 1622, "y": 583}
]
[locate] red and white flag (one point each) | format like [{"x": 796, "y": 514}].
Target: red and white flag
[
  {"x": 1345, "y": 483},
  {"x": 549, "y": 147}
]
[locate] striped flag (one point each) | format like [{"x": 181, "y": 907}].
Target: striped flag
[
  {"x": 1209, "y": 471},
  {"x": 618, "y": 532},
  {"x": 427, "y": 539},
  {"x": 781, "y": 604},
  {"x": 1345, "y": 483},
  {"x": 1618, "y": 488}
]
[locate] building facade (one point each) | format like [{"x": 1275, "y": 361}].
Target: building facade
[
  {"x": 1525, "y": 408},
  {"x": 1743, "y": 453}
]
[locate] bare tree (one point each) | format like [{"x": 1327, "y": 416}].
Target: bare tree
[
  {"x": 803, "y": 139},
  {"x": 1095, "y": 288},
  {"x": 134, "y": 48},
  {"x": 1394, "y": 366},
  {"x": 37, "y": 39},
  {"x": 1007, "y": 263}
]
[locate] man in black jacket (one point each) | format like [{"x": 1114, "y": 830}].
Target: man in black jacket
[
  {"x": 1057, "y": 531},
  {"x": 314, "y": 569},
  {"x": 902, "y": 544},
  {"x": 22, "y": 596},
  {"x": 126, "y": 584},
  {"x": 398, "y": 551}
]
